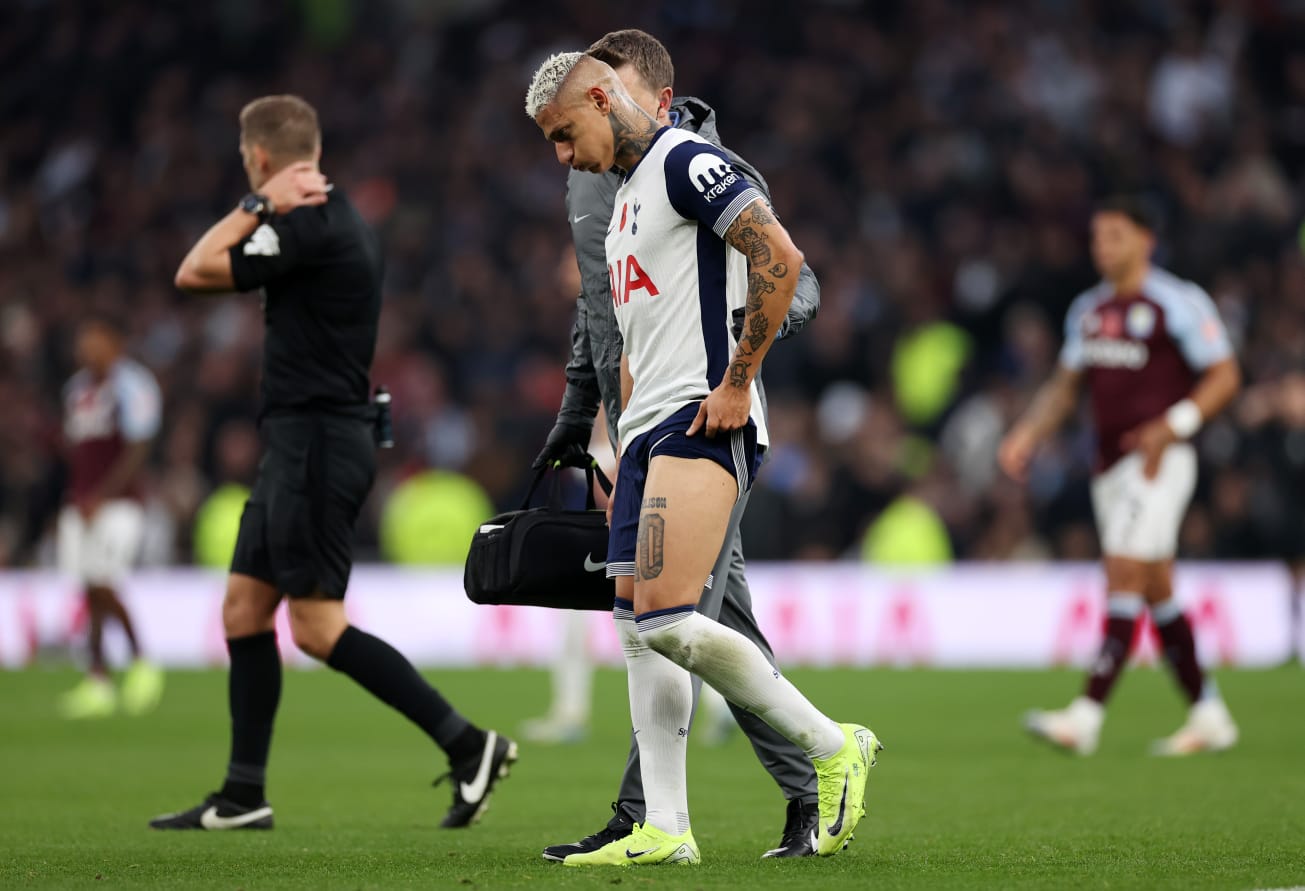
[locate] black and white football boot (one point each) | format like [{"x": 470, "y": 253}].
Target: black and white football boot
[
  {"x": 216, "y": 812},
  {"x": 800, "y": 826},
  {"x": 620, "y": 826},
  {"x": 474, "y": 780}
]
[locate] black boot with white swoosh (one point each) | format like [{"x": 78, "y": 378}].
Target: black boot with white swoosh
[
  {"x": 216, "y": 812},
  {"x": 473, "y": 780}
]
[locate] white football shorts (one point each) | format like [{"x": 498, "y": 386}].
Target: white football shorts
[
  {"x": 102, "y": 551},
  {"x": 1139, "y": 518}
]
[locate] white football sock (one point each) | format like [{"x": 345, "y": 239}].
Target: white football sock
[
  {"x": 661, "y": 700},
  {"x": 738, "y": 670},
  {"x": 573, "y": 673}
]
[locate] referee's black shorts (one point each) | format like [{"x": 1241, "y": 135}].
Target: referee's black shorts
[{"x": 296, "y": 532}]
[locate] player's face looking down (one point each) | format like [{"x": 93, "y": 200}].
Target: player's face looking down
[
  {"x": 1119, "y": 245},
  {"x": 593, "y": 121},
  {"x": 579, "y": 130}
]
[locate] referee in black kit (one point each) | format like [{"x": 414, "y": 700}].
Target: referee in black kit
[{"x": 319, "y": 266}]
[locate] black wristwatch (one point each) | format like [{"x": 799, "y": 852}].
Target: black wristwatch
[{"x": 259, "y": 205}]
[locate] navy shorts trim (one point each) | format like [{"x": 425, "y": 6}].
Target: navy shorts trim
[{"x": 737, "y": 452}]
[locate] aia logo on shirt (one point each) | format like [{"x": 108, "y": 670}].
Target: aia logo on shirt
[{"x": 626, "y": 277}]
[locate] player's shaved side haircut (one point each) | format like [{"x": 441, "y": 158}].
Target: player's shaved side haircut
[
  {"x": 285, "y": 126},
  {"x": 640, "y": 49},
  {"x": 548, "y": 80}
]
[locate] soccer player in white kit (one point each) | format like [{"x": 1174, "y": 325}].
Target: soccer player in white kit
[
  {"x": 1157, "y": 363},
  {"x": 690, "y": 240},
  {"x": 112, "y": 411}
]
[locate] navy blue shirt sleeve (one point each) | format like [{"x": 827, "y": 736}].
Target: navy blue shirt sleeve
[{"x": 703, "y": 185}]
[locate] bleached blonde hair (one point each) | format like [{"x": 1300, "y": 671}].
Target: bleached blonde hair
[{"x": 548, "y": 79}]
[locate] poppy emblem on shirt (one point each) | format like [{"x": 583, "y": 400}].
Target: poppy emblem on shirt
[
  {"x": 1141, "y": 321},
  {"x": 625, "y": 211}
]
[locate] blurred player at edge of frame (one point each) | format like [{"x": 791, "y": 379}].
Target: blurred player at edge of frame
[
  {"x": 593, "y": 377},
  {"x": 692, "y": 239},
  {"x": 1158, "y": 364},
  {"x": 320, "y": 268},
  {"x": 112, "y": 410}
]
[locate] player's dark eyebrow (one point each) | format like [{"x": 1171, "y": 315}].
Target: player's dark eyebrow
[{"x": 559, "y": 132}]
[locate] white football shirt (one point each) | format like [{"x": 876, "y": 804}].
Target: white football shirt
[{"x": 675, "y": 282}]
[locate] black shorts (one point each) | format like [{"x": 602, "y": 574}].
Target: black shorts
[{"x": 297, "y": 529}]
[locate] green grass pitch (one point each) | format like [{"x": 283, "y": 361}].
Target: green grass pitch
[{"x": 961, "y": 799}]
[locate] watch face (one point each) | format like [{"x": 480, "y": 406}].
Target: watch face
[{"x": 253, "y": 203}]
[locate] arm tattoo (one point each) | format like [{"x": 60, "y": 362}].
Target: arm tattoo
[
  {"x": 651, "y": 546},
  {"x": 753, "y": 244},
  {"x": 758, "y": 330},
  {"x": 758, "y": 284},
  {"x": 762, "y": 216},
  {"x": 748, "y": 235},
  {"x": 739, "y": 373}
]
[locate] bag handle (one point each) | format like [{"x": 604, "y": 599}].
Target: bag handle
[{"x": 592, "y": 471}]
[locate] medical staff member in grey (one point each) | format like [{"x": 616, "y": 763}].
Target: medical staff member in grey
[{"x": 593, "y": 374}]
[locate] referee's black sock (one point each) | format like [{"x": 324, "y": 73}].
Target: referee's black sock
[
  {"x": 253, "y": 690},
  {"x": 385, "y": 673}
]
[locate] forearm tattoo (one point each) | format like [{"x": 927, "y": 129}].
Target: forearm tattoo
[
  {"x": 651, "y": 546},
  {"x": 758, "y": 331},
  {"x": 758, "y": 284},
  {"x": 748, "y": 235}
]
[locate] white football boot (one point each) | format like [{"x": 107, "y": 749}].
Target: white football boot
[
  {"x": 1076, "y": 728},
  {"x": 1209, "y": 728}
]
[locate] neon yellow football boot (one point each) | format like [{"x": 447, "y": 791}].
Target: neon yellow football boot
[
  {"x": 94, "y": 697},
  {"x": 142, "y": 687},
  {"x": 841, "y": 781},
  {"x": 645, "y": 846}
]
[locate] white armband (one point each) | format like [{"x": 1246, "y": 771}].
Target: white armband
[{"x": 1184, "y": 418}]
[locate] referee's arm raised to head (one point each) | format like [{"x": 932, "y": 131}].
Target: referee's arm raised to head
[{"x": 207, "y": 266}]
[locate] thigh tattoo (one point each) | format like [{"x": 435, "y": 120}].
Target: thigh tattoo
[{"x": 652, "y": 539}]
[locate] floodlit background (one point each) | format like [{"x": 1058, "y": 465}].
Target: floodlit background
[{"x": 937, "y": 161}]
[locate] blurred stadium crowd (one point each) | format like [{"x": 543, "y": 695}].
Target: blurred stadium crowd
[{"x": 937, "y": 160}]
